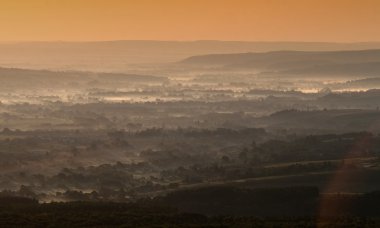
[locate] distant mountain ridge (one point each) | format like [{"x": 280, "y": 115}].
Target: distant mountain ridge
[
  {"x": 353, "y": 62},
  {"x": 244, "y": 59},
  {"x": 117, "y": 56}
]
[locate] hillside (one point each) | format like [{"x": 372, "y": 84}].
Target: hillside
[
  {"x": 339, "y": 120},
  {"x": 359, "y": 62},
  {"x": 25, "y": 78},
  {"x": 120, "y": 55}
]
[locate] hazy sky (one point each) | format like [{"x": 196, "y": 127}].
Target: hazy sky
[{"x": 256, "y": 20}]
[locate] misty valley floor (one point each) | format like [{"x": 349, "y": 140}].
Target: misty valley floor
[{"x": 261, "y": 139}]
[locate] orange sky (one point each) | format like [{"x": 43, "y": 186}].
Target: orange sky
[{"x": 256, "y": 20}]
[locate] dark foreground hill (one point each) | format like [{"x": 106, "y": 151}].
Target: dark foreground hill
[{"x": 291, "y": 207}]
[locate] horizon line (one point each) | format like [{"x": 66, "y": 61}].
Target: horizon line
[{"x": 183, "y": 41}]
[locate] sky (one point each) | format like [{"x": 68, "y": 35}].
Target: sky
[{"x": 245, "y": 20}]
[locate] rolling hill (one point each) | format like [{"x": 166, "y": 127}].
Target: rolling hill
[
  {"x": 119, "y": 56},
  {"x": 335, "y": 63}
]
